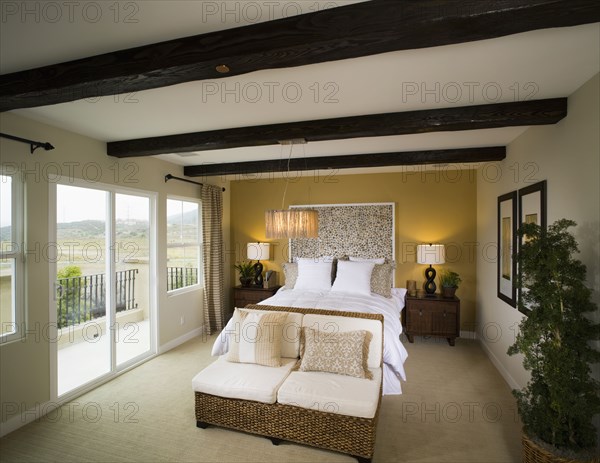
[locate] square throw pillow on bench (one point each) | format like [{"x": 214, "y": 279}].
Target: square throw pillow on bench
[
  {"x": 290, "y": 333},
  {"x": 342, "y": 353},
  {"x": 256, "y": 338}
]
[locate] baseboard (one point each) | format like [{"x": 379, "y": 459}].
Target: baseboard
[
  {"x": 503, "y": 371},
  {"x": 464, "y": 334},
  {"x": 23, "y": 417},
  {"x": 180, "y": 340}
]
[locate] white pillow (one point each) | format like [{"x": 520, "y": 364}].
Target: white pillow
[
  {"x": 362, "y": 259},
  {"x": 313, "y": 275},
  {"x": 353, "y": 277}
]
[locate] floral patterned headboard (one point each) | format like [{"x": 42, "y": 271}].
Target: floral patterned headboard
[{"x": 363, "y": 230}]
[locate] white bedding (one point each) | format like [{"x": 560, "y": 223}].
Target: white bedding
[{"x": 394, "y": 353}]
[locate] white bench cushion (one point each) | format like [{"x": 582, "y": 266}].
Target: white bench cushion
[
  {"x": 332, "y": 393},
  {"x": 242, "y": 380}
]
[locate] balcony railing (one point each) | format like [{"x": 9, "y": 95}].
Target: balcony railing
[
  {"x": 180, "y": 277},
  {"x": 80, "y": 299}
]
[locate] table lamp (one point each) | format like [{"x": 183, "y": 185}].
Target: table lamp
[
  {"x": 430, "y": 254},
  {"x": 258, "y": 251}
]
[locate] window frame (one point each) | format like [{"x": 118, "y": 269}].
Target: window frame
[
  {"x": 200, "y": 283},
  {"x": 17, "y": 253}
]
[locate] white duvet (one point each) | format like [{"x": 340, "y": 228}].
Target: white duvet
[{"x": 394, "y": 353}]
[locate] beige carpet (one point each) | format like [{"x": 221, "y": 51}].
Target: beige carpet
[{"x": 455, "y": 408}]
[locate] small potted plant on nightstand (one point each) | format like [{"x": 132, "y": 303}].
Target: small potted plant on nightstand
[
  {"x": 558, "y": 404},
  {"x": 449, "y": 281},
  {"x": 246, "y": 270}
]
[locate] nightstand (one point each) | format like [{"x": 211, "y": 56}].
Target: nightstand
[
  {"x": 244, "y": 295},
  {"x": 432, "y": 316}
]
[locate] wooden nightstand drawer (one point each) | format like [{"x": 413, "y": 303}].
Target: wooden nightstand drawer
[
  {"x": 242, "y": 296},
  {"x": 432, "y": 316}
]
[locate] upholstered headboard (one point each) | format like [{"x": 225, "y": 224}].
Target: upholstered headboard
[{"x": 364, "y": 230}]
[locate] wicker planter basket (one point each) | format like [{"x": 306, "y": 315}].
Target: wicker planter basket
[{"x": 533, "y": 453}]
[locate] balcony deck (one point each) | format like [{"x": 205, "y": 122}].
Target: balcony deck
[{"x": 83, "y": 361}]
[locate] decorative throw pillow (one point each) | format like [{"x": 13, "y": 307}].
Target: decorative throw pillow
[
  {"x": 290, "y": 271},
  {"x": 256, "y": 338},
  {"x": 382, "y": 280},
  {"x": 345, "y": 353},
  {"x": 353, "y": 277}
]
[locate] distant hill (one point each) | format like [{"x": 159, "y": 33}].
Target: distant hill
[
  {"x": 95, "y": 228},
  {"x": 5, "y": 233},
  {"x": 189, "y": 218},
  {"x": 81, "y": 229},
  {"x": 90, "y": 229}
]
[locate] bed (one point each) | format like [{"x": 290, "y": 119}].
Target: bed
[
  {"x": 394, "y": 353},
  {"x": 349, "y": 267}
]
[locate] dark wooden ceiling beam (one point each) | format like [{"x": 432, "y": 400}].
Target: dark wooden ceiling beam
[
  {"x": 407, "y": 158},
  {"x": 521, "y": 113},
  {"x": 361, "y": 29}
]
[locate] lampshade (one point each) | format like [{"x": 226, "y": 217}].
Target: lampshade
[
  {"x": 258, "y": 251},
  {"x": 292, "y": 223},
  {"x": 430, "y": 254}
]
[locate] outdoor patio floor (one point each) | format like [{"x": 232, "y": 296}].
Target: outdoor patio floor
[{"x": 81, "y": 362}]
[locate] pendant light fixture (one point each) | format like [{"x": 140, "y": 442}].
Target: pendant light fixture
[{"x": 291, "y": 223}]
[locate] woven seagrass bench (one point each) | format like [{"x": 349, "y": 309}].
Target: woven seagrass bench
[{"x": 322, "y": 409}]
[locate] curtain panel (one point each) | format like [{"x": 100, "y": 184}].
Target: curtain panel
[{"x": 212, "y": 253}]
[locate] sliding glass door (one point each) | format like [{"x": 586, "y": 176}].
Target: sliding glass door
[
  {"x": 104, "y": 275},
  {"x": 132, "y": 266}
]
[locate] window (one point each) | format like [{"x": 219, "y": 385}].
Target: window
[
  {"x": 11, "y": 258},
  {"x": 183, "y": 243}
]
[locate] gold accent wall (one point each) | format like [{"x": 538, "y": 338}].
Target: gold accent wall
[{"x": 436, "y": 205}]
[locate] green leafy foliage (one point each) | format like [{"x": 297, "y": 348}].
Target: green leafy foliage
[
  {"x": 70, "y": 295},
  {"x": 449, "y": 279},
  {"x": 246, "y": 269},
  {"x": 69, "y": 271},
  {"x": 560, "y": 400}
]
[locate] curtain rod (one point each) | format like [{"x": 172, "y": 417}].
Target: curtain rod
[
  {"x": 33, "y": 145},
  {"x": 170, "y": 177}
]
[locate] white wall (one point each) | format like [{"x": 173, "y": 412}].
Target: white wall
[
  {"x": 567, "y": 155},
  {"x": 25, "y": 366}
]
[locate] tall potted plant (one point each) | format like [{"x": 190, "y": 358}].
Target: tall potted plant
[{"x": 560, "y": 400}]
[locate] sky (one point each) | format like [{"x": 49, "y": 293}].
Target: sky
[
  {"x": 5, "y": 197},
  {"x": 75, "y": 204}
]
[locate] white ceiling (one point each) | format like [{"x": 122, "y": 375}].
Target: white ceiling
[{"x": 534, "y": 65}]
